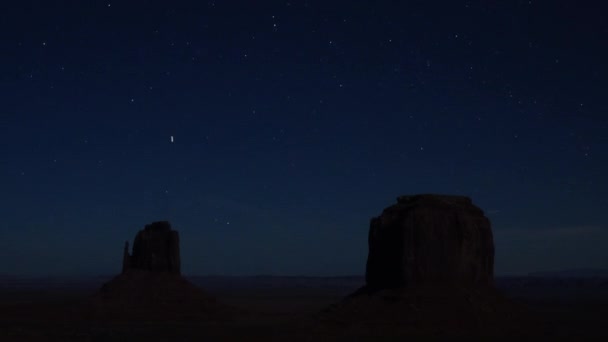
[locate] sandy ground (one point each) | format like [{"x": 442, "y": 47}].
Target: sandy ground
[{"x": 262, "y": 312}]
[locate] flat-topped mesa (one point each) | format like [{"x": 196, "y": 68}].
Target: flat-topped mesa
[
  {"x": 430, "y": 239},
  {"x": 155, "y": 249}
]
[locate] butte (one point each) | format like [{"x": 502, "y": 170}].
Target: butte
[
  {"x": 429, "y": 273},
  {"x": 151, "y": 285}
]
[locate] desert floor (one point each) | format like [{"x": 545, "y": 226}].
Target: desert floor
[{"x": 275, "y": 309}]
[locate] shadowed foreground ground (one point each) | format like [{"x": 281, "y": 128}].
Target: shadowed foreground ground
[{"x": 293, "y": 309}]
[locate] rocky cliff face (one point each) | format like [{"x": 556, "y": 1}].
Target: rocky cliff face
[
  {"x": 430, "y": 239},
  {"x": 430, "y": 271},
  {"x": 155, "y": 248}
]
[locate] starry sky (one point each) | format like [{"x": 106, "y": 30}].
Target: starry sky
[{"x": 270, "y": 132}]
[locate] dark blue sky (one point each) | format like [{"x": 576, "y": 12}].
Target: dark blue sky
[{"x": 295, "y": 122}]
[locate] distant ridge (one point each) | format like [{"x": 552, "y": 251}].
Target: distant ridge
[{"x": 573, "y": 273}]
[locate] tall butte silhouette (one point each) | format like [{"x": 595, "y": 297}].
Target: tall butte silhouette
[{"x": 429, "y": 271}]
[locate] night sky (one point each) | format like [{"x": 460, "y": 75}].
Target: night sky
[{"x": 269, "y": 133}]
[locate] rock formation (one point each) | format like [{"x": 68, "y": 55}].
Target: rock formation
[
  {"x": 429, "y": 271},
  {"x": 151, "y": 286},
  {"x": 155, "y": 248},
  {"x": 430, "y": 239}
]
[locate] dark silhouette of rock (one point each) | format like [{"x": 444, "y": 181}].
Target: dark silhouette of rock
[
  {"x": 149, "y": 296},
  {"x": 151, "y": 286},
  {"x": 155, "y": 248},
  {"x": 430, "y": 239},
  {"x": 430, "y": 271}
]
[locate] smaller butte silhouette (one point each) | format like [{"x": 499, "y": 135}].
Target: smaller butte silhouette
[
  {"x": 151, "y": 285},
  {"x": 429, "y": 272},
  {"x": 155, "y": 249}
]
